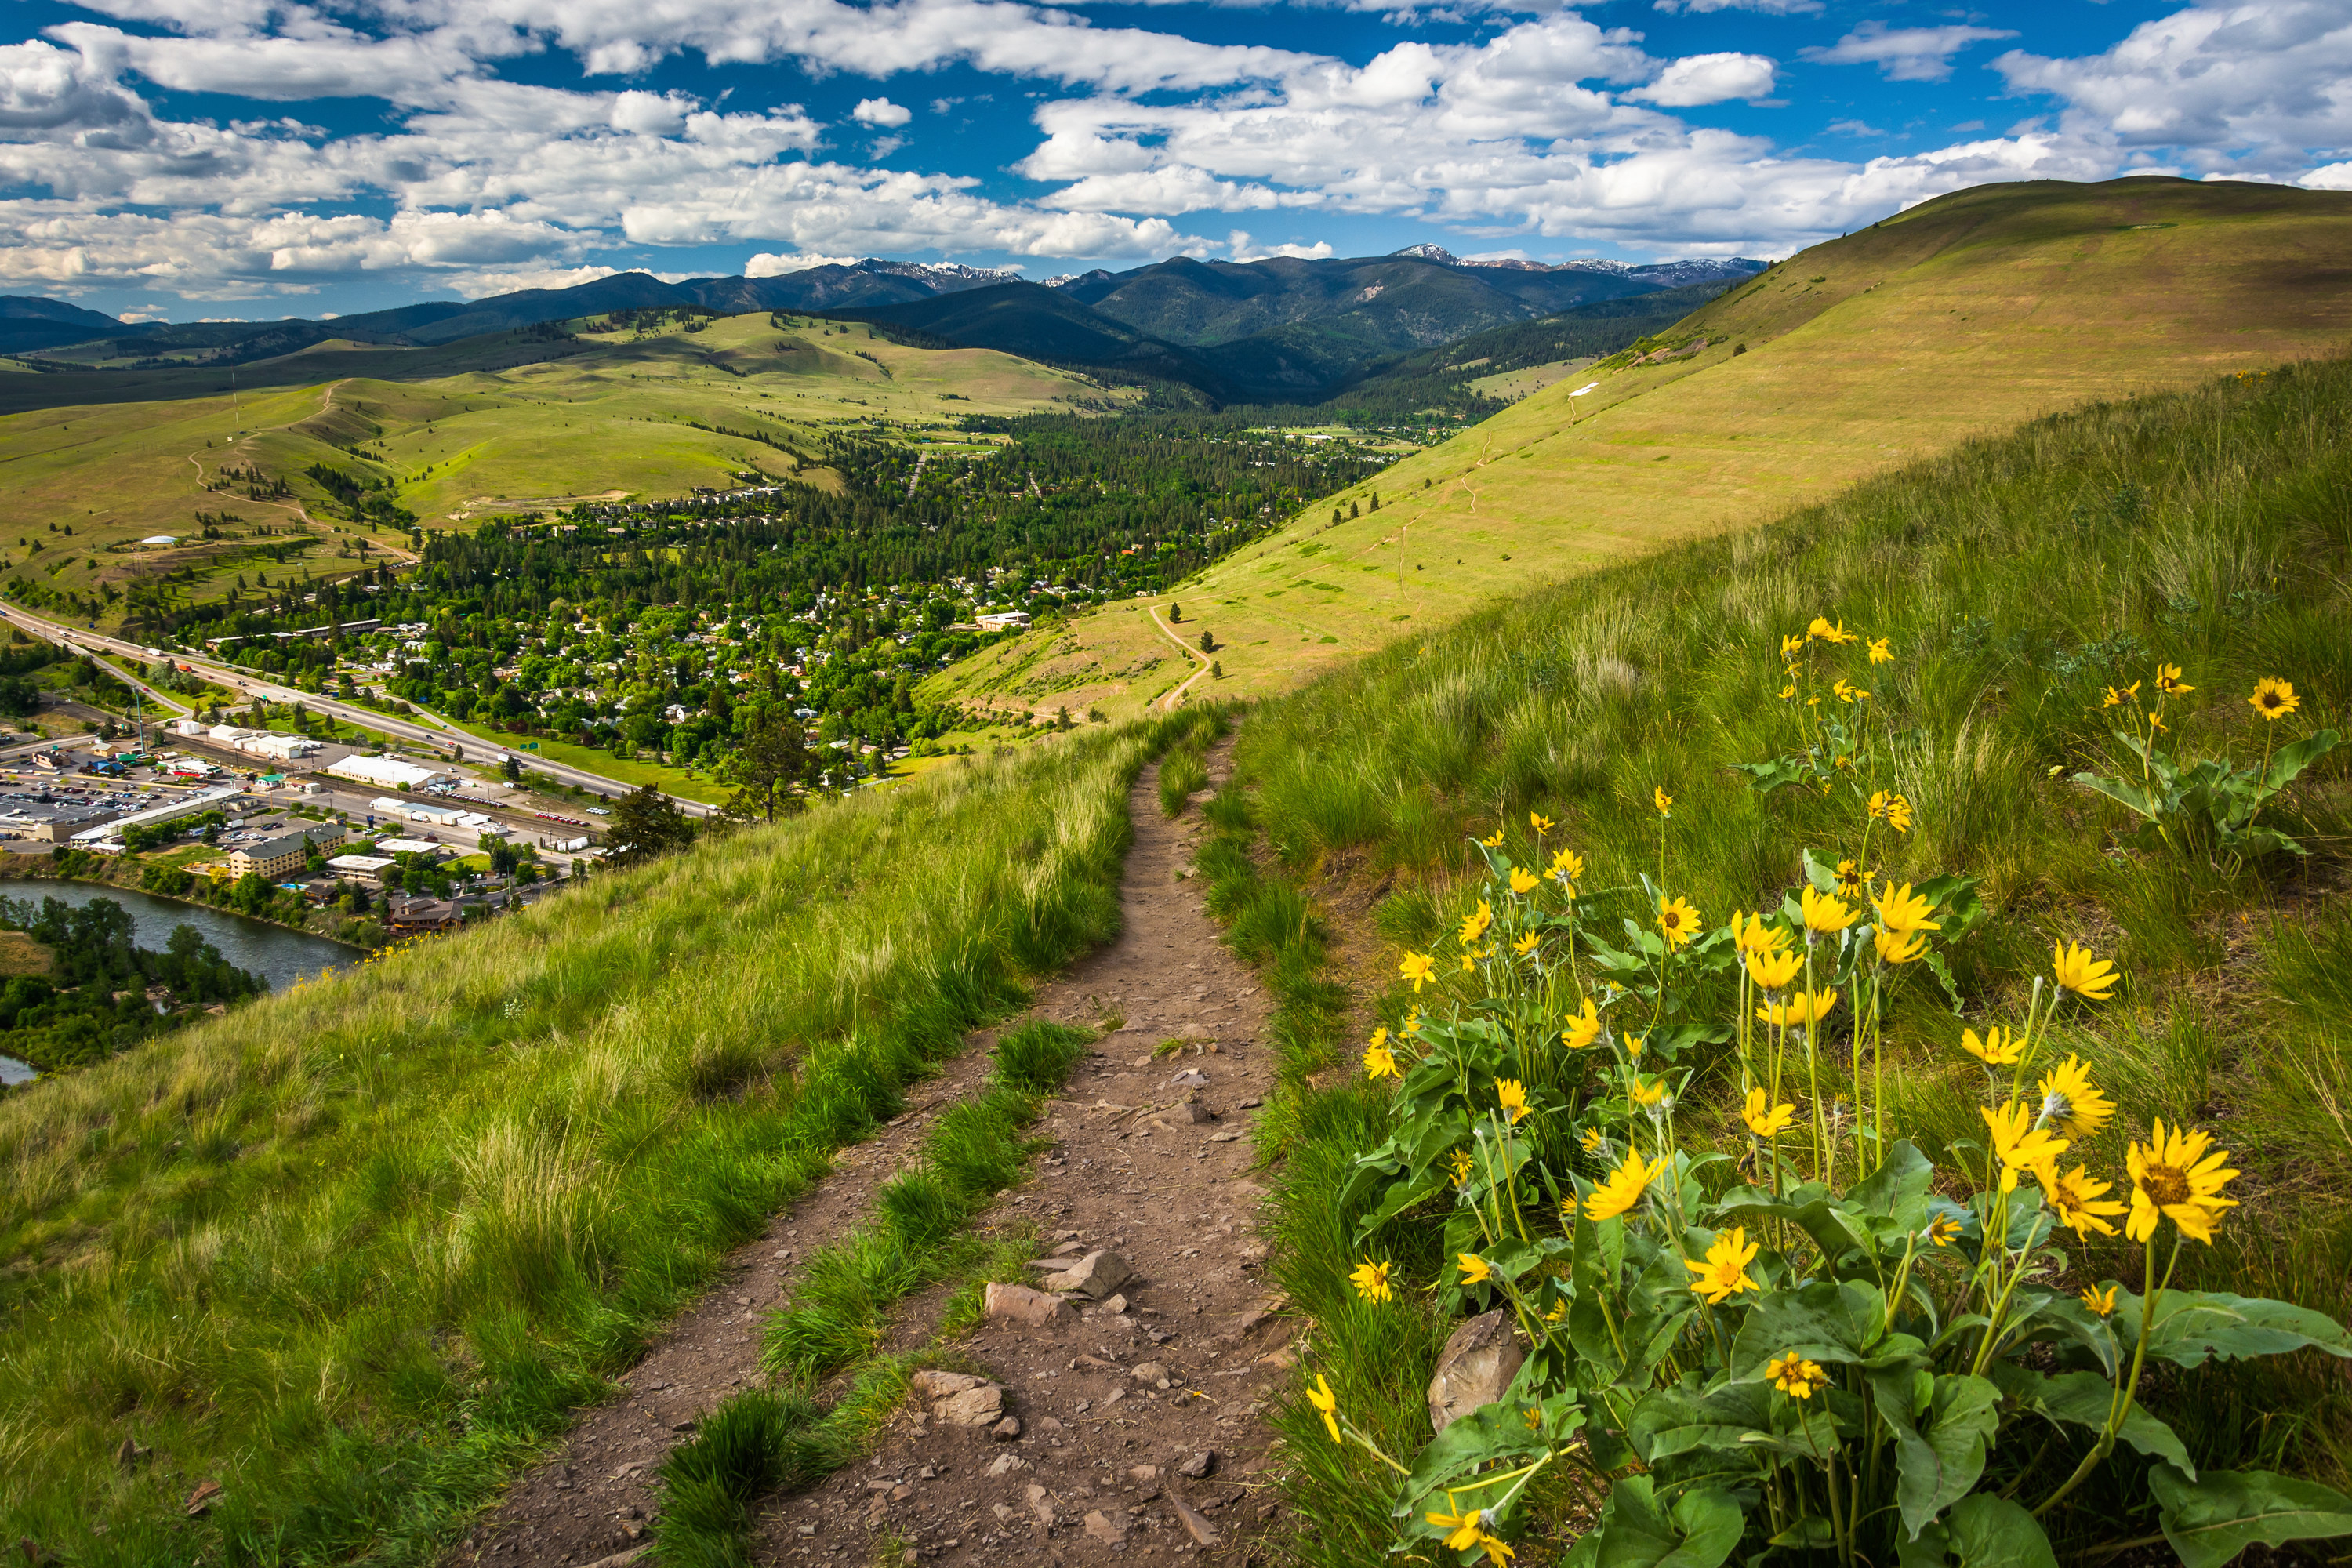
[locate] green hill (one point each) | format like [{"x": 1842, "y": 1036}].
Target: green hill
[
  {"x": 507, "y": 422},
  {"x": 1961, "y": 317}
]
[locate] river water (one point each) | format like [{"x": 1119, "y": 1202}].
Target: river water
[{"x": 277, "y": 955}]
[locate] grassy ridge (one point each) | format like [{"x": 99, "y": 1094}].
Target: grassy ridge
[
  {"x": 1956, "y": 320},
  {"x": 2017, "y": 578},
  {"x": 353, "y": 1251}
]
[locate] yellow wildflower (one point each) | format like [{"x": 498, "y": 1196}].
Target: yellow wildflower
[
  {"x": 1465, "y": 1531},
  {"x": 1645, "y": 1093},
  {"x": 1788, "y": 691},
  {"x": 1802, "y": 1008},
  {"x": 2021, "y": 1145},
  {"x": 1795, "y": 1376},
  {"x": 1725, "y": 1273},
  {"x": 1791, "y": 646},
  {"x": 1848, "y": 878},
  {"x": 1381, "y": 1062},
  {"x": 1999, "y": 1048},
  {"x": 1901, "y": 909},
  {"x": 1463, "y": 1165},
  {"x": 1371, "y": 1280},
  {"x": 1679, "y": 920},
  {"x": 1513, "y": 1097},
  {"x": 1849, "y": 692},
  {"x": 2168, "y": 680},
  {"x": 2075, "y": 1199},
  {"x": 2117, "y": 698},
  {"x": 1524, "y": 882},
  {"x": 1880, "y": 652},
  {"x": 1567, "y": 867},
  {"x": 1773, "y": 971},
  {"x": 2071, "y": 1100},
  {"x": 1763, "y": 1122},
  {"x": 1822, "y": 911},
  {"x": 1419, "y": 968},
  {"x": 1475, "y": 923},
  {"x": 2103, "y": 1302},
  {"x": 1625, "y": 1186},
  {"x": 1474, "y": 1268},
  {"x": 1894, "y": 808},
  {"x": 2274, "y": 698},
  {"x": 2173, "y": 1178},
  {"x": 1754, "y": 936},
  {"x": 1493, "y": 840},
  {"x": 1327, "y": 1405},
  {"x": 1663, "y": 801},
  {"x": 2075, "y": 970},
  {"x": 1825, "y": 632},
  {"x": 1539, "y": 822},
  {"x": 1592, "y": 1141},
  {"x": 1943, "y": 1230},
  {"x": 1899, "y": 947},
  {"x": 1528, "y": 943},
  {"x": 1583, "y": 1028}
]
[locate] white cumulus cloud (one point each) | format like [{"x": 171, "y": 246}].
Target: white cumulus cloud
[
  {"x": 880, "y": 112},
  {"x": 1905, "y": 54},
  {"x": 1696, "y": 80}
]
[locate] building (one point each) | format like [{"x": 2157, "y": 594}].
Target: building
[
  {"x": 412, "y": 847},
  {"x": 423, "y": 914},
  {"x": 285, "y": 854},
  {"x": 367, "y": 868},
  {"x": 384, "y": 772},
  {"x": 187, "y": 805}
]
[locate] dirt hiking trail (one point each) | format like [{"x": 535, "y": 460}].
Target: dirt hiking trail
[{"x": 1134, "y": 1435}]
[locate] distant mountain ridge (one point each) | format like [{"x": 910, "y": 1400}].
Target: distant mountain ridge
[{"x": 1274, "y": 330}]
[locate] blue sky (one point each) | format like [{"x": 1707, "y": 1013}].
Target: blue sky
[{"x": 258, "y": 158}]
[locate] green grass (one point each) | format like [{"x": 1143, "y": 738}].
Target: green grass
[
  {"x": 356, "y": 1251},
  {"x": 1185, "y": 771},
  {"x": 2016, "y": 578},
  {"x": 628, "y": 770}
]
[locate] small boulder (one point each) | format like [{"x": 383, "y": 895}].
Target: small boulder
[
  {"x": 1150, "y": 1374},
  {"x": 981, "y": 1406},
  {"x": 1101, "y": 1527},
  {"x": 1199, "y": 1467},
  {"x": 1094, "y": 1276},
  {"x": 1031, "y": 1309},
  {"x": 1476, "y": 1368},
  {"x": 1006, "y": 1430},
  {"x": 932, "y": 1383}
]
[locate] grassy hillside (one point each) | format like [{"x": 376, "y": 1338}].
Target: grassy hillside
[
  {"x": 354, "y": 1251},
  {"x": 460, "y": 431},
  {"x": 1959, "y": 318},
  {"x": 2016, "y": 581}
]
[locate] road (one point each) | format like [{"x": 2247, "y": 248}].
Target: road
[
  {"x": 435, "y": 733},
  {"x": 1175, "y": 698}
]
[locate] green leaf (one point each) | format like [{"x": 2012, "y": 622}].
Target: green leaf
[
  {"x": 1766, "y": 777},
  {"x": 1670, "y": 1421},
  {"x": 2211, "y": 1519},
  {"x": 1821, "y": 1322},
  {"x": 2192, "y": 1326},
  {"x": 2290, "y": 761},
  {"x": 2121, "y": 792},
  {"x": 1994, "y": 1533},
  {"x": 1492, "y": 1432},
  {"x": 1936, "y": 1467},
  {"x": 1898, "y": 1189},
  {"x": 2084, "y": 1399},
  {"x": 1701, "y": 1531}
]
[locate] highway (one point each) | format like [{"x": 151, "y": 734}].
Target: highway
[{"x": 434, "y": 732}]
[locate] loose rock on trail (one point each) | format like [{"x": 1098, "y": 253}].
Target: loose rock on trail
[{"x": 1112, "y": 1408}]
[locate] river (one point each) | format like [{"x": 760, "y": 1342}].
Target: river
[{"x": 277, "y": 955}]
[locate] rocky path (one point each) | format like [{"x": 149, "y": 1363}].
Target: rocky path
[
  {"x": 1133, "y": 1400},
  {"x": 1136, "y": 1403}
]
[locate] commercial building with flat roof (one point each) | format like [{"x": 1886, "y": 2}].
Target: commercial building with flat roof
[
  {"x": 285, "y": 853},
  {"x": 384, "y": 772}
]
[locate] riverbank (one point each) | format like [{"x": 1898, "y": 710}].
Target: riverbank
[{"x": 126, "y": 873}]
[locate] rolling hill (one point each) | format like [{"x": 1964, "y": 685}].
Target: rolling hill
[{"x": 1961, "y": 317}]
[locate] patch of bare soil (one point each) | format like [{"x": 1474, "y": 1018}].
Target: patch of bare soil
[{"x": 1137, "y": 1434}]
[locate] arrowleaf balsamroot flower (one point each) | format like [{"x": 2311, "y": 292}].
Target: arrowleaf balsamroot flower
[
  {"x": 1327, "y": 1405},
  {"x": 1849, "y": 692},
  {"x": 1824, "y": 631},
  {"x": 2076, "y": 1199},
  {"x": 1512, "y": 1095},
  {"x": 2075, "y": 970},
  {"x": 1999, "y": 1048},
  {"x": 1901, "y": 909},
  {"x": 2174, "y": 1178},
  {"x": 1679, "y": 920},
  {"x": 2103, "y": 1302},
  {"x": 2274, "y": 698},
  {"x": 1792, "y": 646},
  {"x": 1475, "y": 923},
  {"x": 1943, "y": 1230},
  {"x": 1823, "y": 912},
  {"x": 1418, "y": 967},
  {"x": 1625, "y": 1186},
  {"x": 1583, "y": 1028},
  {"x": 1880, "y": 653},
  {"x": 1774, "y": 970},
  {"x": 1567, "y": 867},
  {"x": 1524, "y": 882},
  {"x": 1893, "y": 807},
  {"x": 1899, "y": 947},
  {"x": 1848, "y": 881},
  {"x": 2168, "y": 680},
  {"x": 1475, "y": 1268},
  {"x": 2117, "y": 698},
  {"x": 2071, "y": 1100},
  {"x": 1763, "y": 1122},
  {"x": 2022, "y": 1146},
  {"x": 1795, "y": 1376},
  {"x": 1539, "y": 822},
  {"x": 1379, "y": 1060},
  {"x": 1467, "y": 1529},
  {"x": 1528, "y": 943},
  {"x": 1803, "y": 1007},
  {"x": 1749, "y": 934},
  {"x": 1493, "y": 840},
  {"x": 1662, "y": 800},
  {"x": 1725, "y": 1273},
  {"x": 1463, "y": 1165},
  {"x": 1647, "y": 1093},
  {"x": 1371, "y": 1280}
]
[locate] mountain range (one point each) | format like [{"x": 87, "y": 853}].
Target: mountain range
[{"x": 1273, "y": 330}]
